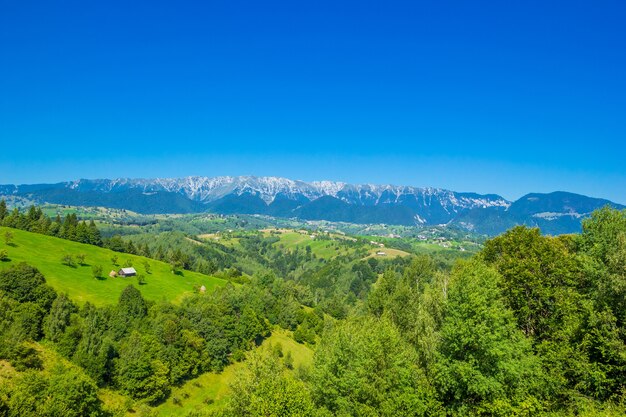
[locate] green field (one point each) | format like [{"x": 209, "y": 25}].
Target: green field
[
  {"x": 322, "y": 248},
  {"x": 45, "y": 253},
  {"x": 389, "y": 253}
]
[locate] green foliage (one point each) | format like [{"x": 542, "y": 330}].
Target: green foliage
[
  {"x": 94, "y": 350},
  {"x": 66, "y": 392},
  {"x": 130, "y": 308},
  {"x": 364, "y": 367},
  {"x": 96, "y": 271},
  {"x": 485, "y": 364},
  {"x": 568, "y": 294},
  {"x": 8, "y": 237},
  {"x": 24, "y": 283},
  {"x": 138, "y": 371},
  {"x": 59, "y": 317},
  {"x": 263, "y": 388},
  {"x": 539, "y": 279},
  {"x": 414, "y": 301},
  {"x": 23, "y": 356},
  {"x": 3, "y": 209},
  {"x": 36, "y": 221},
  {"x": 68, "y": 260}
]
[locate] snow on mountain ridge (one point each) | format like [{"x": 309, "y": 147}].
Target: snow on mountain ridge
[{"x": 207, "y": 189}]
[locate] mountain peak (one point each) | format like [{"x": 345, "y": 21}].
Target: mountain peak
[{"x": 319, "y": 200}]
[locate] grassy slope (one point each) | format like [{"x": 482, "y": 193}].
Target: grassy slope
[
  {"x": 321, "y": 248},
  {"x": 389, "y": 253},
  {"x": 215, "y": 387},
  {"x": 45, "y": 252}
]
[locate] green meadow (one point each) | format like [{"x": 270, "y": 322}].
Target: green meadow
[
  {"x": 46, "y": 253},
  {"x": 211, "y": 390}
]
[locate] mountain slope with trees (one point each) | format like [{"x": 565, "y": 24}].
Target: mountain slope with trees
[{"x": 532, "y": 325}]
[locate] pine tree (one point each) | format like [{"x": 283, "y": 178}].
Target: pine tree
[
  {"x": 3, "y": 210},
  {"x": 94, "y": 234}
]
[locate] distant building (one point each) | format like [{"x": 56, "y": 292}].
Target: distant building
[
  {"x": 127, "y": 272},
  {"x": 203, "y": 289},
  {"x": 112, "y": 274},
  {"x": 381, "y": 253}
]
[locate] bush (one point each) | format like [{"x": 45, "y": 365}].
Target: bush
[
  {"x": 23, "y": 357},
  {"x": 68, "y": 260},
  {"x": 96, "y": 271}
]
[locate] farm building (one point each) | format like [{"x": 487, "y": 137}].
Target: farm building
[
  {"x": 112, "y": 274},
  {"x": 381, "y": 253},
  {"x": 127, "y": 272}
]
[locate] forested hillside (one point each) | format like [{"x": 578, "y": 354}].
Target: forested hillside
[{"x": 529, "y": 325}]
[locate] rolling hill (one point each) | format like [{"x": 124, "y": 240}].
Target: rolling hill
[{"x": 45, "y": 253}]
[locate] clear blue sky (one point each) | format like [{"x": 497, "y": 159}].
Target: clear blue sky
[{"x": 507, "y": 97}]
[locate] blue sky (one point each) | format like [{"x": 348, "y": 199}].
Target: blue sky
[{"x": 503, "y": 97}]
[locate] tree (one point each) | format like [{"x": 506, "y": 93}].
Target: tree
[
  {"x": 66, "y": 392},
  {"x": 364, "y": 367},
  {"x": 114, "y": 259},
  {"x": 3, "y": 210},
  {"x": 8, "y": 237},
  {"x": 81, "y": 258},
  {"x": 4, "y": 255},
  {"x": 147, "y": 267},
  {"x": 139, "y": 372},
  {"x": 539, "y": 278},
  {"x": 603, "y": 247},
  {"x": 68, "y": 260},
  {"x": 94, "y": 351},
  {"x": 59, "y": 317},
  {"x": 263, "y": 388},
  {"x": 485, "y": 363},
  {"x": 96, "y": 271},
  {"x": 25, "y": 283},
  {"x": 131, "y": 303},
  {"x": 93, "y": 233},
  {"x": 130, "y": 308},
  {"x": 175, "y": 267}
]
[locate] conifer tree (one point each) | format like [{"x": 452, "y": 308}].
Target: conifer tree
[{"x": 3, "y": 210}]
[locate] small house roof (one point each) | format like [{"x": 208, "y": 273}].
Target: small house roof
[{"x": 127, "y": 271}]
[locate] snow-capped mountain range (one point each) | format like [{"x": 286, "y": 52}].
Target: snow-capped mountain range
[
  {"x": 319, "y": 200},
  {"x": 207, "y": 189}
]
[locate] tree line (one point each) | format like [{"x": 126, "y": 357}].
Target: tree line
[{"x": 36, "y": 221}]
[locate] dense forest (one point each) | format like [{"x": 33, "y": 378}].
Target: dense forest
[{"x": 530, "y": 325}]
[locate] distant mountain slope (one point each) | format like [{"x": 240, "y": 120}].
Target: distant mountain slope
[
  {"x": 554, "y": 213},
  {"x": 322, "y": 200}
]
